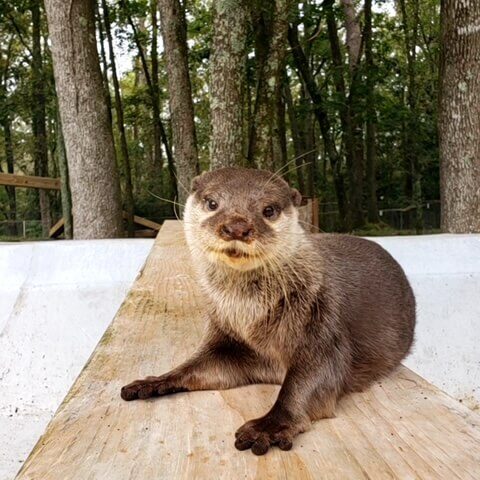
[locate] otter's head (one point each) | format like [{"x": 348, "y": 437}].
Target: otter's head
[{"x": 243, "y": 218}]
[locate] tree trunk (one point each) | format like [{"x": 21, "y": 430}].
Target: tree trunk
[
  {"x": 410, "y": 30},
  {"x": 227, "y": 74},
  {"x": 308, "y": 127},
  {"x": 160, "y": 134},
  {"x": 459, "y": 117},
  {"x": 298, "y": 144},
  {"x": 87, "y": 130},
  {"x": 371, "y": 120},
  {"x": 103, "y": 56},
  {"x": 265, "y": 146},
  {"x": 11, "y": 194},
  {"x": 125, "y": 157},
  {"x": 302, "y": 66},
  {"x": 348, "y": 136},
  {"x": 40, "y": 153},
  {"x": 354, "y": 35},
  {"x": 355, "y": 161},
  {"x": 157, "y": 126},
  {"x": 172, "y": 17},
  {"x": 64, "y": 179},
  {"x": 6, "y": 124}
]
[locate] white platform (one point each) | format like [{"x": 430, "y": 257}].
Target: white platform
[
  {"x": 444, "y": 271},
  {"x": 57, "y": 298}
]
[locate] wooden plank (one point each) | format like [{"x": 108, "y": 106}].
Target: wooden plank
[
  {"x": 57, "y": 229},
  {"x": 28, "y": 181},
  {"x": 308, "y": 214},
  {"x": 148, "y": 233},
  {"x": 402, "y": 427},
  {"x": 144, "y": 222}
]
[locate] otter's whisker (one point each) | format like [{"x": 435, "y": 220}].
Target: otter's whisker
[
  {"x": 288, "y": 163},
  {"x": 165, "y": 199}
]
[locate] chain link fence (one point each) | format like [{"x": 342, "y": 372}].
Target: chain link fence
[
  {"x": 20, "y": 230},
  {"x": 401, "y": 219}
]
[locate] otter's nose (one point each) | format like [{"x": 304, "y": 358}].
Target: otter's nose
[{"x": 238, "y": 230}]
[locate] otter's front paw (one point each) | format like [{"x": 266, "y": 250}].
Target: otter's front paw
[
  {"x": 150, "y": 387},
  {"x": 262, "y": 433}
]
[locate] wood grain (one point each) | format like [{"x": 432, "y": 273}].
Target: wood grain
[
  {"x": 401, "y": 428},
  {"x": 28, "y": 181}
]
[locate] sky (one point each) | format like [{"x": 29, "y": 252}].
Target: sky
[{"x": 124, "y": 58}]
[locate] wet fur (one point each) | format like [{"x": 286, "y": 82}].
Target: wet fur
[{"x": 322, "y": 315}]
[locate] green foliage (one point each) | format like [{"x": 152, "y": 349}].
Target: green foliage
[{"x": 390, "y": 74}]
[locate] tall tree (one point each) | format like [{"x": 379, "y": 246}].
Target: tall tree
[
  {"x": 125, "y": 157},
  {"x": 6, "y": 122},
  {"x": 344, "y": 110},
  {"x": 297, "y": 137},
  {"x": 354, "y": 34},
  {"x": 355, "y": 162},
  {"x": 160, "y": 134},
  {"x": 64, "y": 179},
  {"x": 39, "y": 130},
  {"x": 323, "y": 119},
  {"x": 157, "y": 126},
  {"x": 371, "y": 120},
  {"x": 410, "y": 25},
  {"x": 103, "y": 56},
  {"x": 227, "y": 76},
  {"x": 271, "y": 27},
  {"x": 86, "y": 126},
  {"x": 174, "y": 33},
  {"x": 459, "y": 116},
  {"x": 11, "y": 194}
]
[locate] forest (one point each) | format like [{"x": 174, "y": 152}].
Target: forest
[{"x": 370, "y": 106}]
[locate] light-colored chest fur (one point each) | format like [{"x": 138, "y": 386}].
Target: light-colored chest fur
[
  {"x": 254, "y": 310},
  {"x": 241, "y": 304}
]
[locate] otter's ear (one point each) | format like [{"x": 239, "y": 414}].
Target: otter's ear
[
  {"x": 197, "y": 182},
  {"x": 296, "y": 197}
]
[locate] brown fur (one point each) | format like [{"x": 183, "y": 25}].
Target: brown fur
[{"x": 322, "y": 315}]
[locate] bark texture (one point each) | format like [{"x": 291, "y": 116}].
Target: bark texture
[
  {"x": 40, "y": 153},
  {"x": 125, "y": 157},
  {"x": 156, "y": 89},
  {"x": 103, "y": 56},
  {"x": 355, "y": 161},
  {"x": 459, "y": 116},
  {"x": 354, "y": 34},
  {"x": 410, "y": 24},
  {"x": 5, "y": 121},
  {"x": 64, "y": 179},
  {"x": 265, "y": 145},
  {"x": 172, "y": 18},
  {"x": 371, "y": 121},
  {"x": 11, "y": 194},
  {"x": 297, "y": 137},
  {"x": 86, "y": 126},
  {"x": 227, "y": 74}
]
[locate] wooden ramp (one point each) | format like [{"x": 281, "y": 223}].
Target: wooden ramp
[{"x": 403, "y": 427}]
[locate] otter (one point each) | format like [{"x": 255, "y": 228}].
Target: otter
[{"x": 321, "y": 314}]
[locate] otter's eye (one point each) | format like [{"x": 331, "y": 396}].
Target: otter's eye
[
  {"x": 269, "y": 212},
  {"x": 212, "y": 205}
]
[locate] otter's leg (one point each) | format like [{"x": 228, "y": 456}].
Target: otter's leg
[
  {"x": 221, "y": 363},
  {"x": 309, "y": 392}
]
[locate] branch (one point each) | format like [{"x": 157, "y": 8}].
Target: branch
[{"x": 19, "y": 32}]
